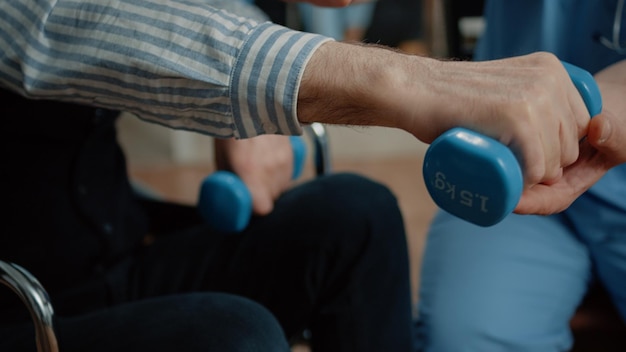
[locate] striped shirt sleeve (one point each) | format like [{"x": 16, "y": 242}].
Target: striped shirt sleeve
[{"x": 180, "y": 63}]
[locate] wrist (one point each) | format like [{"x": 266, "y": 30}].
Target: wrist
[
  {"x": 357, "y": 84},
  {"x": 346, "y": 84}
]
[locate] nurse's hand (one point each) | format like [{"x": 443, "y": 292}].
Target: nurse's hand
[{"x": 604, "y": 148}]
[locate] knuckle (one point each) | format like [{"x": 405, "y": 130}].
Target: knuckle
[
  {"x": 551, "y": 174},
  {"x": 545, "y": 59},
  {"x": 569, "y": 155},
  {"x": 534, "y": 173}
]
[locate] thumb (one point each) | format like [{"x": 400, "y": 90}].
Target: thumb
[{"x": 607, "y": 135}]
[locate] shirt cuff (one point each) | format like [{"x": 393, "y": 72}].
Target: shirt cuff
[{"x": 266, "y": 78}]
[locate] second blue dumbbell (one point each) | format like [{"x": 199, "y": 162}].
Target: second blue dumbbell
[
  {"x": 478, "y": 179},
  {"x": 225, "y": 203}
]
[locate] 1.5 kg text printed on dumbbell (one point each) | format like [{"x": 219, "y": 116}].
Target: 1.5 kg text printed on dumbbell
[{"x": 464, "y": 197}]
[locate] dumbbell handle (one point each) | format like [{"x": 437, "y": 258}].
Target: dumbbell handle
[
  {"x": 225, "y": 203},
  {"x": 478, "y": 179}
]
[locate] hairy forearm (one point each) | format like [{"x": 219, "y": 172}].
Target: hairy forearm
[
  {"x": 354, "y": 84},
  {"x": 528, "y": 103},
  {"x": 368, "y": 85}
]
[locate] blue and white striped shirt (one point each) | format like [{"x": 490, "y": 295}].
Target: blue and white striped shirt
[{"x": 180, "y": 63}]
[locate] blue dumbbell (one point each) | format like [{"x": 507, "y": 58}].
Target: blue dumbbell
[
  {"x": 225, "y": 203},
  {"x": 478, "y": 179}
]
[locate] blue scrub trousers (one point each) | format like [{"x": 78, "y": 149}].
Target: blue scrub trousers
[{"x": 516, "y": 285}]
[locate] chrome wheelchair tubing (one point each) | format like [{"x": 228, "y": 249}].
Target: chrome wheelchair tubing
[
  {"x": 320, "y": 144},
  {"x": 36, "y": 299}
]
